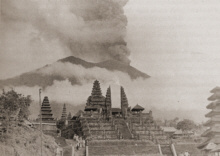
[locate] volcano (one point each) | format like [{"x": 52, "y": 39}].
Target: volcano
[{"x": 36, "y": 78}]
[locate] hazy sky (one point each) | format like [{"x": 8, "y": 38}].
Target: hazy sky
[{"x": 176, "y": 42}]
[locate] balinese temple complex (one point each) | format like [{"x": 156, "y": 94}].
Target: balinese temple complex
[
  {"x": 101, "y": 121},
  {"x": 114, "y": 131},
  {"x": 212, "y": 145},
  {"x": 97, "y": 103}
]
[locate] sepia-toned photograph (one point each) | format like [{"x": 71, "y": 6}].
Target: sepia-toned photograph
[{"x": 109, "y": 78}]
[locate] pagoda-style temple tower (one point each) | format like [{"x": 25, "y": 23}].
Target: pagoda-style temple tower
[
  {"x": 124, "y": 103},
  {"x": 46, "y": 111},
  {"x": 64, "y": 115},
  {"x": 96, "y": 99},
  {"x": 212, "y": 144},
  {"x": 108, "y": 104}
]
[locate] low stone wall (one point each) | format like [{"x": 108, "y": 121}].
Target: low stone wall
[
  {"x": 138, "y": 128},
  {"x": 123, "y": 147},
  {"x": 96, "y": 132},
  {"x": 103, "y": 134},
  {"x": 144, "y": 136},
  {"x": 101, "y": 128},
  {"x": 111, "y": 137},
  {"x": 90, "y": 119},
  {"x": 99, "y": 123},
  {"x": 142, "y": 132},
  {"x": 97, "y": 137},
  {"x": 124, "y": 150},
  {"x": 46, "y": 126},
  {"x": 121, "y": 142},
  {"x": 110, "y": 132},
  {"x": 162, "y": 137}
]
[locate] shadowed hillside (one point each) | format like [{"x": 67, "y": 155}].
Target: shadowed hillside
[{"x": 23, "y": 140}]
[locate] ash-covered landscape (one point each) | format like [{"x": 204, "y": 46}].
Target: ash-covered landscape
[{"x": 109, "y": 77}]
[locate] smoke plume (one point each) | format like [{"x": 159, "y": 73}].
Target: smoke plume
[{"x": 93, "y": 30}]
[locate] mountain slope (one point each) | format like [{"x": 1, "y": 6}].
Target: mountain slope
[{"x": 36, "y": 77}]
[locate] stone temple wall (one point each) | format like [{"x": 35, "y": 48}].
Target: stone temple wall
[
  {"x": 123, "y": 147},
  {"x": 46, "y": 127}
]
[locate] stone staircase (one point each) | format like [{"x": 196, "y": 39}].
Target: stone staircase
[
  {"x": 123, "y": 129},
  {"x": 98, "y": 129},
  {"x": 80, "y": 152},
  {"x": 166, "y": 150}
]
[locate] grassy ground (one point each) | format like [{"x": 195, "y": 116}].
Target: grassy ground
[
  {"x": 25, "y": 141},
  {"x": 191, "y": 148}
]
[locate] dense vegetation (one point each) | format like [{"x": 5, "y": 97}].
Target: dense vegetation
[
  {"x": 186, "y": 125},
  {"x": 13, "y": 107}
]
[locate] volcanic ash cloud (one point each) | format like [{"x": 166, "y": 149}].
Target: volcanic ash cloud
[{"x": 90, "y": 29}]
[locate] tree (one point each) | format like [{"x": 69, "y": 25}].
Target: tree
[
  {"x": 14, "y": 105},
  {"x": 186, "y": 125},
  {"x": 174, "y": 122},
  {"x": 61, "y": 124}
]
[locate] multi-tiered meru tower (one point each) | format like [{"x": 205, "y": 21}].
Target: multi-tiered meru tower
[
  {"x": 46, "y": 111},
  {"x": 212, "y": 144},
  {"x": 108, "y": 104},
  {"x": 96, "y": 99},
  {"x": 103, "y": 105},
  {"x": 124, "y": 103},
  {"x": 64, "y": 114}
]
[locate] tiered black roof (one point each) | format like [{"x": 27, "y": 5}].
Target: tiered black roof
[
  {"x": 46, "y": 111},
  {"x": 96, "y": 90},
  {"x": 214, "y": 122},
  {"x": 64, "y": 114},
  {"x": 96, "y": 97},
  {"x": 124, "y": 100},
  {"x": 108, "y": 101},
  {"x": 137, "y": 108}
]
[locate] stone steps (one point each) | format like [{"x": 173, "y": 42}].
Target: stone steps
[
  {"x": 166, "y": 150},
  {"x": 123, "y": 129}
]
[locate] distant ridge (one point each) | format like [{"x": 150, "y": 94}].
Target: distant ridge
[
  {"x": 34, "y": 77},
  {"x": 111, "y": 65}
]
